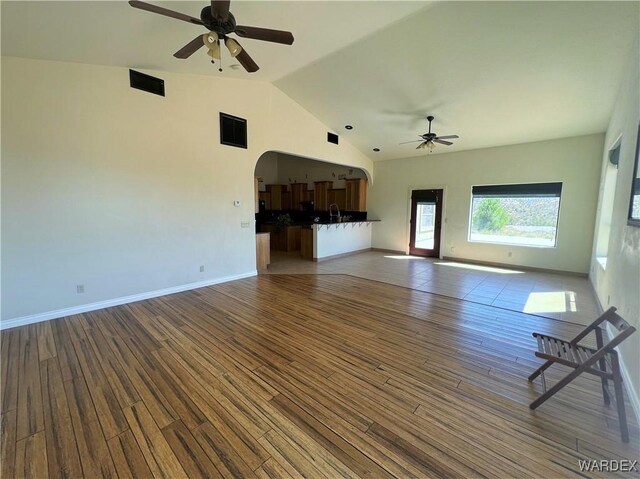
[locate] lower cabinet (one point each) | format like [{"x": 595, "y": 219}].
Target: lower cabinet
[
  {"x": 263, "y": 251},
  {"x": 284, "y": 239},
  {"x": 306, "y": 243}
]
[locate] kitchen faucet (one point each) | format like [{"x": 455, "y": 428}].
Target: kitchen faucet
[{"x": 331, "y": 215}]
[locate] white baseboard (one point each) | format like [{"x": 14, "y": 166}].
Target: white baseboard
[
  {"x": 633, "y": 396},
  {"x": 61, "y": 313},
  {"x": 626, "y": 380}
]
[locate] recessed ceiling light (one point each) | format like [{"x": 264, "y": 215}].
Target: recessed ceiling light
[
  {"x": 376, "y": 150},
  {"x": 349, "y": 127}
]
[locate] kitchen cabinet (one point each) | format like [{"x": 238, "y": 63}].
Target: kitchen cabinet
[
  {"x": 263, "y": 251},
  {"x": 286, "y": 200},
  {"x": 283, "y": 239},
  {"x": 321, "y": 195},
  {"x": 256, "y": 193},
  {"x": 275, "y": 193},
  {"x": 339, "y": 197},
  {"x": 306, "y": 243},
  {"x": 298, "y": 195},
  {"x": 266, "y": 197},
  {"x": 356, "y": 194}
]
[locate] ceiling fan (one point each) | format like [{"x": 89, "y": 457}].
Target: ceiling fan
[
  {"x": 220, "y": 22},
  {"x": 428, "y": 140}
]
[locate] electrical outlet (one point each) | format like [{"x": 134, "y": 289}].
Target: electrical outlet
[
  {"x": 245, "y": 224},
  {"x": 80, "y": 288},
  {"x": 236, "y": 203},
  {"x": 202, "y": 268},
  {"x": 510, "y": 254},
  {"x": 453, "y": 249},
  {"x": 608, "y": 299}
]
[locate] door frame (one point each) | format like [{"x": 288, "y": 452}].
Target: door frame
[{"x": 408, "y": 216}]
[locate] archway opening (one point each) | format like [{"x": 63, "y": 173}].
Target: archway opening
[{"x": 293, "y": 193}]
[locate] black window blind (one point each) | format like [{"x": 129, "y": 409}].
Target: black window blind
[{"x": 518, "y": 191}]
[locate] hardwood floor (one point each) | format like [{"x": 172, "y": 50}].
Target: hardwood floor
[{"x": 284, "y": 376}]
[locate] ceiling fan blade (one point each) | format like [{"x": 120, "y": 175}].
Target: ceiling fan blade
[
  {"x": 446, "y": 137},
  {"x": 190, "y": 48},
  {"x": 220, "y": 9},
  {"x": 164, "y": 11},
  {"x": 442, "y": 142},
  {"x": 413, "y": 141},
  {"x": 247, "y": 62},
  {"x": 265, "y": 34}
]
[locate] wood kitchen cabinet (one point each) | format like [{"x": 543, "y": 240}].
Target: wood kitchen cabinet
[
  {"x": 298, "y": 195},
  {"x": 356, "y": 194},
  {"x": 256, "y": 193},
  {"x": 306, "y": 243},
  {"x": 263, "y": 251},
  {"x": 286, "y": 200},
  {"x": 283, "y": 239},
  {"x": 339, "y": 197},
  {"x": 266, "y": 197},
  {"x": 308, "y": 196},
  {"x": 275, "y": 194},
  {"x": 321, "y": 195}
]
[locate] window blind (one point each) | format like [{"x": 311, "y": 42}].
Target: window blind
[{"x": 518, "y": 191}]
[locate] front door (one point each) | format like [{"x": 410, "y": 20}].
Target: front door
[{"x": 426, "y": 221}]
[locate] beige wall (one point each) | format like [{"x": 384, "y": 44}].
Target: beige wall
[
  {"x": 619, "y": 284},
  {"x": 574, "y": 161},
  {"x": 127, "y": 192}
]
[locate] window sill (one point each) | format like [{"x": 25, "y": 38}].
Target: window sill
[
  {"x": 602, "y": 261},
  {"x": 523, "y": 245}
]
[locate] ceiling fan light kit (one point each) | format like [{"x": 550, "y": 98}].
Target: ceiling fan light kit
[
  {"x": 210, "y": 41},
  {"x": 429, "y": 139},
  {"x": 220, "y": 22},
  {"x": 233, "y": 47}
]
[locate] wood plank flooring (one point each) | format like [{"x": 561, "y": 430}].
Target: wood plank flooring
[{"x": 289, "y": 376}]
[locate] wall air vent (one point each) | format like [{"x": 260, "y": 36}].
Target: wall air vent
[
  {"x": 147, "y": 83},
  {"x": 233, "y": 130},
  {"x": 332, "y": 138}
]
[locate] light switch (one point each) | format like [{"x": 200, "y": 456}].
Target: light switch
[
  {"x": 236, "y": 203},
  {"x": 245, "y": 224}
]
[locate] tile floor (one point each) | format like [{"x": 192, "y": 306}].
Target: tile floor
[{"x": 557, "y": 296}]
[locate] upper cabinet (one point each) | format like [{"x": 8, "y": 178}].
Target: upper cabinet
[
  {"x": 321, "y": 195},
  {"x": 298, "y": 195},
  {"x": 338, "y": 197},
  {"x": 356, "y": 195},
  {"x": 275, "y": 194},
  {"x": 293, "y": 197}
]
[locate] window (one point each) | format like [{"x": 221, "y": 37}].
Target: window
[
  {"x": 610, "y": 176},
  {"x": 524, "y": 215},
  {"x": 634, "y": 202}
]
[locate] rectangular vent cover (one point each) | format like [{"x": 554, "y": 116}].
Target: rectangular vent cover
[
  {"x": 233, "y": 130},
  {"x": 147, "y": 83}
]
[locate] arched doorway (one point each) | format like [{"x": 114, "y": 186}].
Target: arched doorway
[{"x": 292, "y": 194}]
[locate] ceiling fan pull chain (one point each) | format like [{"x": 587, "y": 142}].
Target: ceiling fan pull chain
[{"x": 220, "y": 68}]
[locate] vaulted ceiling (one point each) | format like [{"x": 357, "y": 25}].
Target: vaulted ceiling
[
  {"x": 114, "y": 33},
  {"x": 495, "y": 73}
]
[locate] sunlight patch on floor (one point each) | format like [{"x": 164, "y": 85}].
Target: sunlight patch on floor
[
  {"x": 405, "y": 256},
  {"x": 477, "y": 267},
  {"x": 551, "y": 302}
]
